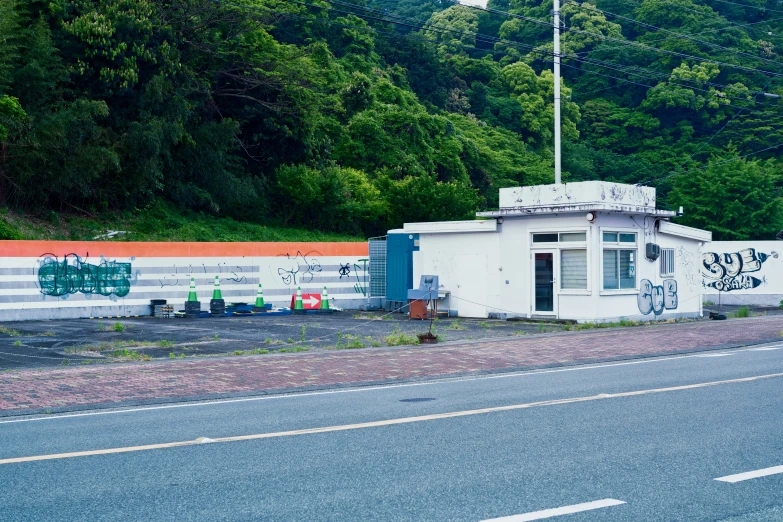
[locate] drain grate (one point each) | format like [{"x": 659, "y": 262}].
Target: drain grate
[{"x": 418, "y": 399}]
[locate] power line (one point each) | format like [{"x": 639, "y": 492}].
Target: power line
[
  {"x": 718, "y": 163},
  {"x": 750, "y": 6},
  {"x": 673, "y": 33}
]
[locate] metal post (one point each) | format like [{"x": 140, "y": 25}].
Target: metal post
[{"x": 556, "y": 13}]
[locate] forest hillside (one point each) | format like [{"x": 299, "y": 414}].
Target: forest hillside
[{"x": 351, "y": 117}]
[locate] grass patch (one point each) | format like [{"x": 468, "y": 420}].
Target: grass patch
[
  {"x": 129, "y": 355},
  {"x": 400, "y": 339},
  {"x": 163, "y": 343},
  {"x": 294, "y": 349},
  {"x": 110, "y": 346},
  {"x": 118, "y": 327},
  {"x": 158, "y": 221},
  {"x": 617, "y": 324},
  {"x": 9, "y": 331},
  {"x": 742, "y": 311},
  {"x": 709, "y": 303},
  {"x": 456, "y": 325},
  {"x": 17, "y": 343},
  {"x": 48, "y": 334}
]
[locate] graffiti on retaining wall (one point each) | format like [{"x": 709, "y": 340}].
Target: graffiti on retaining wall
[
  {"x": 361, "y": 280},
  {"x": 345, "y": 270},
  {"x": 301, "y": 268},
  {"x": 657, "y": 298},
  {"x": 729, "y": 271},
  {"x": 71, "y": 275}
]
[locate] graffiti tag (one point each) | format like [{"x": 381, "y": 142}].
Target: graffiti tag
[
  {"x": 655, "y": 298},
  {"x": 361, "y": 281},
  {"x": 345, "y": 270},
  {"x": 302, "y": 272},
  {"x": 72, "y": 275},
  {"x": 727, "y": 272}
]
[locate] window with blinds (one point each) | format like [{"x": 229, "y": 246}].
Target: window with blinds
[
  {"x": 667, "y": 262},
  {"x": 573, "y": 269}
]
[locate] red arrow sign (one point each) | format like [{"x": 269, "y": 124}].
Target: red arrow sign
[{"x": 309, "y": 301}]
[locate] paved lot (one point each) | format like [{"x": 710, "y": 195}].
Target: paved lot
[
  {"x": 80, "y": 386},
  {"x": 652, "y": 435},
  {"x": 36, "y": 344}
]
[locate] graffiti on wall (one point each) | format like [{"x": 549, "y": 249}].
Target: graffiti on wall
[
  {"x": 688, "y": 261},
  {"x": 300, "y": 268},
  {"x": 657, "y": 298},
  {"x": 71, "y": 274},
  {"x": 726, "y": 272},
  {"x": 361, "y": 275}
]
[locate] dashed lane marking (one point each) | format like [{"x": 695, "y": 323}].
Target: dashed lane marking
[
  {"x": 739, "y": 477},
  {"x": 389, "y": 422},
  {"x": 556, "y": 512}
]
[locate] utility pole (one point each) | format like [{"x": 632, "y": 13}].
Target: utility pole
[{"x": 556, "y": 13}]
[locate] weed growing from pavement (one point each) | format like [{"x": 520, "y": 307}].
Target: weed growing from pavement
[
  {"x": 398, "y": 338},
  {"x": 48, "y": 334},
  {"x": 100, "y": 326},
  {"x": 290, "y": 341},
  {"x": 118, "y": 327},
  {"x": 304, "y": 330},
  {"x": 712, "y": 303},
  {"x": 66, "y": 362},
  {"x": 484, "y": 324},
  {"x": 742, "y": 311},
  {"x": 17, "y": 343},
  {"x": 163, "y": 343},
  {"x": 617, "y": 324},
  {"x": 47, "y": 411},
  {"x": 9, "y": 331},
  {"x": 456, "y": 325},
  {"x": 172, "y": 356},
  {"x": 129, "y": 355},
  {"x": 109, "y": 346}
]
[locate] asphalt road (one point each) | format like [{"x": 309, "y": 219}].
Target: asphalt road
[{"x": 650, "y": 449}]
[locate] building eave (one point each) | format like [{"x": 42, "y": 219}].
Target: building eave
[{"x": 563, "y": 209}]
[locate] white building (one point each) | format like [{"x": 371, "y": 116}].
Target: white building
[{"x": 589, "y": 251}]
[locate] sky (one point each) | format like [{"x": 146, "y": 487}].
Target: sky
[{"x": 482, "y": 3}]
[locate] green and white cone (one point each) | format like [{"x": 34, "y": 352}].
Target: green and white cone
[
  {"x": 324, "y": 300},
  {"x": 192, "y": 294},
  {"x": 298, "y": 304},
  {"x": 216, "y": 293},
  {"x": 260, "y": 298}
]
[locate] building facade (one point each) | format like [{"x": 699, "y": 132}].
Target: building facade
[{"x": 588, "y": 251}]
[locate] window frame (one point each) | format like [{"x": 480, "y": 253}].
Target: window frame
[
  {"x": 615, "y": 246},
  {"x": 565, "y": 245}
]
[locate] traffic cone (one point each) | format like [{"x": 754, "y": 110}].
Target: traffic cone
[
  {"x": 192, "y": 294},
  {"x": 325, "y": 302},
  {"x": 216, "y": 294},
  {"x": 260, "y": 298},
  {"x": 298, "y": 307}
]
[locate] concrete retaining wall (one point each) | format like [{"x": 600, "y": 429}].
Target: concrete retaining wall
[
  {"x": 63, "y": 279},
  {"x": 743, "y": 272}
]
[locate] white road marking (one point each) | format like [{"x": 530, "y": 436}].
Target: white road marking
[
  {"x": 714, "y": 355},
  {"x": 444, "y": 380},
  {"x": 390, "y": 422},
  {"x": 556, "y": 512},
  {"x": 739, "y": 477},
  {"x": 764, "y": 349}
]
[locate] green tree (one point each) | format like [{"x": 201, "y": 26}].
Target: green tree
[{"x": 737, "y": 200}]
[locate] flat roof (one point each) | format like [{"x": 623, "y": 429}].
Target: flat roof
[{"x": 576, "y": 208}]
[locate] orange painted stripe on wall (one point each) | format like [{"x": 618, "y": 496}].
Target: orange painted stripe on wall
[{"x": 111, "y": 249}]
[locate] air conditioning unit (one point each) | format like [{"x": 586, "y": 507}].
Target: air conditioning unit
[{"x": 652, "y": 251}]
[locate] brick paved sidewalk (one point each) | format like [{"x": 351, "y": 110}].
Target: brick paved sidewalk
[{"x": 112, "y": 385}]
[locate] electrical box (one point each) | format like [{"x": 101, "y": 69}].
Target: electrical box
[{"x": 652, "y": 251}]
